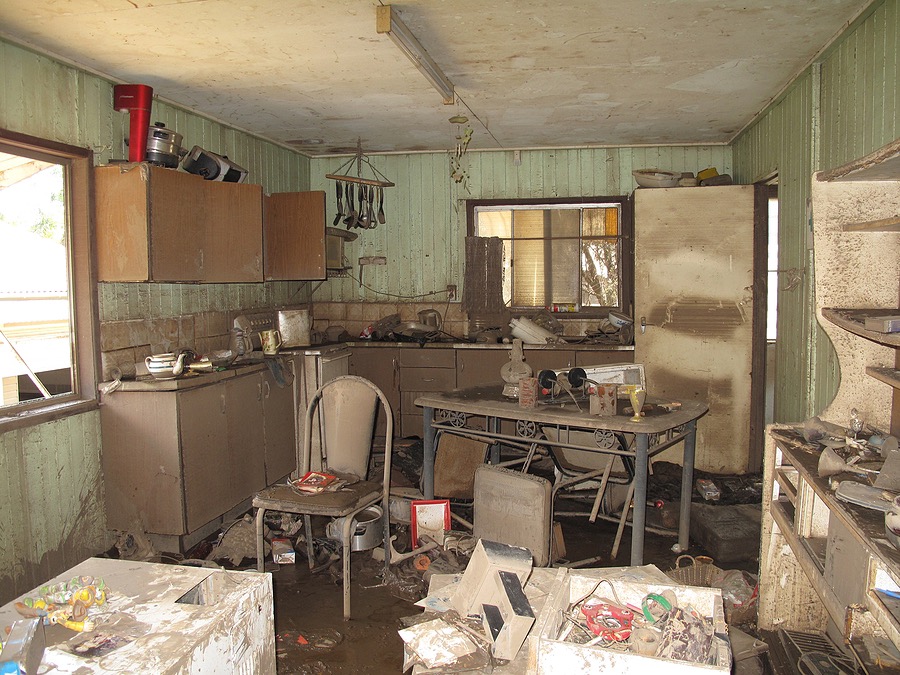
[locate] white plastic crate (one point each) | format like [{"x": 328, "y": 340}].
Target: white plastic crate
[{"x": 550, "y": 655}]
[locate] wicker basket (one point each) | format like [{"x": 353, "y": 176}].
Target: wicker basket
[
  {"x": 701, "y": 571},
  {"x": 698, "y": 571}
]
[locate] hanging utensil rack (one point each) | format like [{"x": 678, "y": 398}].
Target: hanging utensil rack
[{"x": 342, "y": 175}]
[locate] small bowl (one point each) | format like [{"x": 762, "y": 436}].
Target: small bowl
[
  {"x": 619, "y": 320},
  {"x": 654, "y": 178}
]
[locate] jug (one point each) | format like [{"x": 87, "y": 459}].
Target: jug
[{"x": 241, "y": 343}]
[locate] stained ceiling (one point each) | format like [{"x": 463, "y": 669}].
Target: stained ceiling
[{"x": 317, "y": 76}]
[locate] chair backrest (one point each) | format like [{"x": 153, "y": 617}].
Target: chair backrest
[{"x": 346, "y": 408}]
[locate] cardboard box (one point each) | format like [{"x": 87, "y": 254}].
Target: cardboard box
[
  {"x": 550, "y": 655},
  {"x": 283, "y": 552}
]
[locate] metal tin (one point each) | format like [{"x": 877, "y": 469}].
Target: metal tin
[
  {"x": 294, "y": 326},
  {"x": 163, "y": 146}
]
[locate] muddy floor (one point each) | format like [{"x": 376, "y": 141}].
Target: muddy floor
[{"x": 312, "y": 636}]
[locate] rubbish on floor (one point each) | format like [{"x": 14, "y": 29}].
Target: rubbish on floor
[
  {"x": 23, "y": 648},
  {"x": 436, "y": 643},
  {"x": 727, "y": 532},
  {"x": 429, "y": 518},
  {"x": 513, "y": 508},
  {"x": 237, "y": 541},
  {"x": 478, "y": 584},
  {"x": 283, "y": 552},
  {"x": 746, "y": 651},
  {"x": 708, "y": 490}
]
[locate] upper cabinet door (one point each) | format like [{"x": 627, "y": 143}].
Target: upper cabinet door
[
  {"x": 231, "y": 214},
  {"x": 158, "y": 224},
  {"x": 294, "y": 225}
]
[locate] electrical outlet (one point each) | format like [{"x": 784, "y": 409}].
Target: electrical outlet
[{"x": 451, "y": 291}]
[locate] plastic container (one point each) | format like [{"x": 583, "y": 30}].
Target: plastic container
[{"x": 530, "y": 333}]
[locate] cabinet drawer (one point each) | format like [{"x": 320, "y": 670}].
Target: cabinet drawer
[
  {"x": 428, "y": 358},
  {"x": 602, "y": 358},
  {"x": 427, "y": 379}
]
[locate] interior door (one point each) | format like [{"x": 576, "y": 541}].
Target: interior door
[{"x": 700, "y": 313}]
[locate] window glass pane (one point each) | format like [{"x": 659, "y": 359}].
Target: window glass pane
[
  {"x": 528, "y": 273},
  {"x": 601, "y": 222},
  {"x": 495, "y": 224},
  {"x": 543, "y": 246},
  {"x": 565, "y": 222},
  {"x": 564, "y": 274},
  {"x": 36, "y": 342},
  {"x": 600, "y": 273}
]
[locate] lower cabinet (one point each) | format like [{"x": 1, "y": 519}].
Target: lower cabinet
[
  {"x": 381, "y": 366},
  {"x": 174, "y": 460}
]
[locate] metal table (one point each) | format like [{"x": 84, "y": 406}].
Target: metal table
[{"x": 449, "y": 412}]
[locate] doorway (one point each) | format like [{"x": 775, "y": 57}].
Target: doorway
[{"x": 772, "y": 286}]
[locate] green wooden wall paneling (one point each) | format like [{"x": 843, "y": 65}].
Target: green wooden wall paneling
[{"x": 424, "y": 237}]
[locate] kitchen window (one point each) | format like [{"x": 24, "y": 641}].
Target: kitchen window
[
  {"x": 570, "y": 255},
  {"x": 47, "y": 307}
]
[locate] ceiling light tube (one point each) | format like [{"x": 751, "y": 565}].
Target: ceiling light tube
[{"x": 387, "y": 21}]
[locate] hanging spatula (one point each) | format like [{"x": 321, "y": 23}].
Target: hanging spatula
[{"x": 339, "y": 190}]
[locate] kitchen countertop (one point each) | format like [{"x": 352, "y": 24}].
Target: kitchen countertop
[{"x": 490, "y": 345}]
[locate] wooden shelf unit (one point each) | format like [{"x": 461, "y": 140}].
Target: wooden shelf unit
[
  {"x": 854, "y": 320},
  {"x": 838, "y": 551}
]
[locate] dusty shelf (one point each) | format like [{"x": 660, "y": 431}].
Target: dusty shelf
[
  {"x": 889, "y": 376},
  {"x": 883, "y": 164},
  {"x": 854, "y": 321}
]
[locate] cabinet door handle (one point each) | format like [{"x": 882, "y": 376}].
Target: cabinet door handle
[
  {"x": 427, "y": 379},
  {"x": 259, "y": 391},
  {"x": 222, "y": 403},
  {"x": 267, "y": 388}
]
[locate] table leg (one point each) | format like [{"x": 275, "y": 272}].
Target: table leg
[
  {"x": 687, "y": 488},
  {"x": 493, "y": 425},
  {"x": 428, "y": 454},
  {"x": 642, "y": 443}
]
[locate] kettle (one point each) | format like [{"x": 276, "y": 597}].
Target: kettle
[
  {"x": 165, "y": 366},
  {"x": 431, "y": 318}
]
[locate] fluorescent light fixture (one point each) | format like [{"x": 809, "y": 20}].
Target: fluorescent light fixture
[{"x": 387, "y": 21}]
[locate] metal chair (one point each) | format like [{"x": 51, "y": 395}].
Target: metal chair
[
  {"x": 577, "y": 470},
  {"x": 346, "y": 408}
]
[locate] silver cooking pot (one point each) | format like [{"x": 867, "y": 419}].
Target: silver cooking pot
[{"x": 164, "y": 146}]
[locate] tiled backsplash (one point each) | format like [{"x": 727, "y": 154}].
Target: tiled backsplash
[{"x": 138, "y": 320}]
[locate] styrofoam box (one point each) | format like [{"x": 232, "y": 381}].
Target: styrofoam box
[{"x": 549, "y": 655}]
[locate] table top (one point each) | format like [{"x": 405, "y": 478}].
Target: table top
[{"x": 490, "y": 402}]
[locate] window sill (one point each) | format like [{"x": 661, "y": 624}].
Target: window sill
[{"x": 10, "y": 421}]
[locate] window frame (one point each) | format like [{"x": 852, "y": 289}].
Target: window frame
[
  {"x": 78, "y": 176},
  {"x": 626, "y": 234}
]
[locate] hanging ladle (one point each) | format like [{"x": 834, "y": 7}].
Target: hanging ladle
[
  {"x": 381, "y": 218},
  {"x": 364, "y": 208},
  {"x": 352, "y": 218}
]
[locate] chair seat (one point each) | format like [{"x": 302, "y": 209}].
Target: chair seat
[{"x": 334, "y": 504}]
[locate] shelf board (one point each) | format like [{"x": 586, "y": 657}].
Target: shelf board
[
  {"x": 889, "y": 376},
  {"x": 883, "y": 164},
  {"x": 883, "y": 225},
  {"x": 854, "y": 321},
  {"x": 783, "y": 475}
]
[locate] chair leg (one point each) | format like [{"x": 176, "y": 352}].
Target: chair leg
[
  {"x": 603, "y": 481},
  {"x": 625, "y": 509},
  {"x": 345, "y": 540},
  {"x": 260, "y": 546},
  {"x": 310, "y": 553},
  {"x": 387, "y": 539}
]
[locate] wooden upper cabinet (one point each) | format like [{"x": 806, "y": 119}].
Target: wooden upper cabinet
[
  {"x": 294, "y": 224},
  {"x": 158, "y": 224}
]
